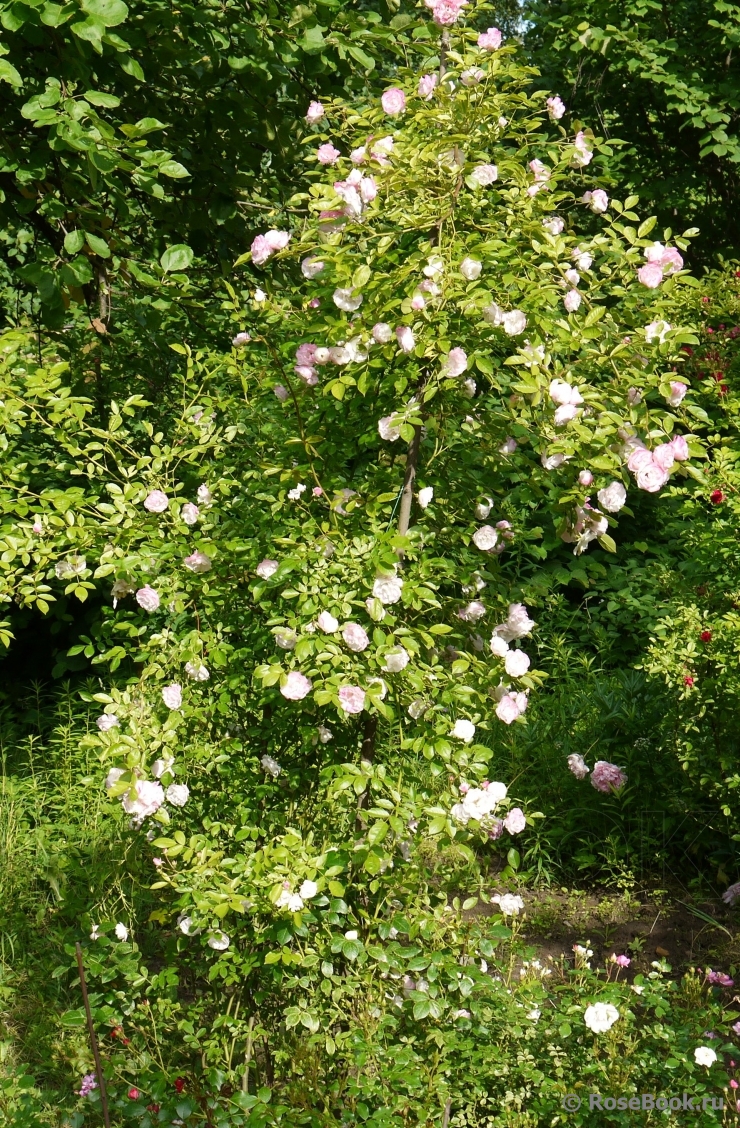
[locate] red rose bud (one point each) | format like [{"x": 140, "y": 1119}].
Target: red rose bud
[
  {"x": 688, "y": 680},
  {"x": 152, "y": 1108},
  {"x": 134, "y": 1094},
  {"x": 179, "y": 1084},
  {"x": 706, "y": 636},
  {"x": 716, "y": 497}
]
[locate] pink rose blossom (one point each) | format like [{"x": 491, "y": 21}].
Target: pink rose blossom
[
  {"x": 381, "y": 333},
  {"x": 327, "y": 623},
  {"x": 368, "y": 189},
  {"x": 393, "y": 101},
  {"x": 671, "y": 260},
  {"x": 585, "y": 478},
  {"x": 680, "y": 448},
  {"x": 668, "y": 258},
  {"x": 639, "y": 459},
  {"x": 263, "y": 246},
  {"x": 387, "y": 430},
  {"x": 554, "y": 224},
  {"x": 730, "y": 895},
  {"x": 296, "y": 686},
  {"x": 147, "y": 598},
  {"x": 578, "y": 766},
  {"x": 190, "y": 513},
  {"x": 508, "y": 709},
  {"x": 651, "y": 275},
  {"x": 490, "y": 40},
  {"x": 484, "y": 174},
  {"x": 352, "y": 698},
  {"x": 612, "y": 497},
  {"x": 198, "y": 562},
  {"x": 652, "y": 478},
  {"x": 355, "y": 637},
  {"x": 515, "y": 821},
  {"x": 156, "y": 501},
  {"x": 572, "y": 301},
  {"x": 260, "y": 250},
  {"x": 304, "y": 354},
  {"x": 555, "y": 108},
  {"x": 599, "y": 201},
  {"x": 606, "y": 777},
  {"x": 405, "y": 337},
  {"x": 583, "y": 156},
  {"x": 446, "y": 13},
  {"x": 427, "y": 85},
  {"x": 678, "y": 391},
  {"x": 277, "y": 240},
  {"x": 172, "y": 696},
  {"x": 326, "y": 154},
  {"x": 663, "y": 456},
  {"x": 267, "y": 568},
  {"x": 516, "y": 663},
  {"x": 314, "y": 113},
  {"x": 311, "y": 267},
  {"x": 565, "y": 414},
  {"x": 457, "y": 362},
  {"x": 281, "y": 392},
  {"x": 148, "y": 798}
]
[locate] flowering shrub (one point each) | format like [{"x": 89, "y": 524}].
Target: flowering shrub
[
  {"x": 512, "y": 1031},
  {"x": 431, "y": 401}
]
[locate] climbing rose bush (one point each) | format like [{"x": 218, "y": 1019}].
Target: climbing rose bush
[{"x": 448, "y": 363}]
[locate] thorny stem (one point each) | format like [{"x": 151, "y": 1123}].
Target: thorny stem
[
  {"x": 299, "y": 417},
  {"x": 407, "y": 492},
  {"x": 93, "y": 1038},
  {"x": 444, "y": 48}
]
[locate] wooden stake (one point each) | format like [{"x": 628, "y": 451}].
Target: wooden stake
[{"x": 93, "y": 1038}]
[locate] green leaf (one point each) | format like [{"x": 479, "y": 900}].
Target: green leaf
[
  {"x": 111, "y": 13},
  {"x": 74, "y": 241},
  {"x": 173, "y": 169},
  {"x": 607, "y": 543},
  {"x": 359, "y": 56},
  {"x": 143, "y": 127},
  {"x": 91, "y": 30},
  {"x": 98, "y": 246},
  {"x": 97, "y": 98},
  {"x": 361, "y": 277},
  {"x": 78, "y": 272},
  {"x": 132, "y": 67},
  {"x": 313, "y": 39},
  {"x": 176, "y": 258},
  {"x": 9, "y": 74},
  {"x": 351, "y": 949}
]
